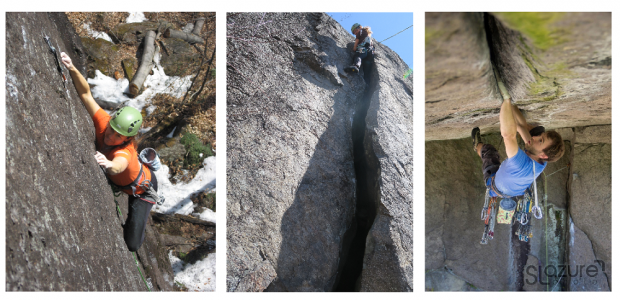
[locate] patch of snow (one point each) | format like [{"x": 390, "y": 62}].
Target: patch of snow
[
  {"x": 112, "y": 93},
  {"x": 144, "y": 129},
  {"x": 199, "y": 277},
  {"x": 178, "y": 195},
  {"x": 171, "y": 132},
  {"x": 97, "y": 34},
  {"x": 207, "y": 215},
  {"x": 136, "y": 17},
  {"x": 177, "y": 264},
  {"x": 150, "y": 109}
]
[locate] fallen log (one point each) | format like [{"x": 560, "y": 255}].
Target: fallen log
[
  {"x": 146, "y": 65},
  {"x": 188, "y": 37},
  {"x": 198, "y": 26},
  {"x": 159, "y": 217}
]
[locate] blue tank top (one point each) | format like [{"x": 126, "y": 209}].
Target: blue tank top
[{"x": 515, "y": 174}]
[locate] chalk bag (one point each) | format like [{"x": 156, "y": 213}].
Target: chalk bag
[
  {"x": 149, "y": 157},
  {"x": 506, "y": 211}
]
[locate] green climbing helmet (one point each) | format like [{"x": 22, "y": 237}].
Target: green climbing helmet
[
  {"x": 126, "y": 121},
  {"x": 355, "y": 26}
]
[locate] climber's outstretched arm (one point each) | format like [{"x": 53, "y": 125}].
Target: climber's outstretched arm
[
  {"x": 355, "y": 46},
  {"x": 508, "y": 127},
  {"x": 81, "y": 85}
]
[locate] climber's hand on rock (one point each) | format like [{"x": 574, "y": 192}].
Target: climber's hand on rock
[
  {"x": 103, "y": 161},
  {"x": 66, "y": 60}
]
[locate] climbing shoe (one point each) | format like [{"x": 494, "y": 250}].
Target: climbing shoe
[{"x": 475, "y": 137}]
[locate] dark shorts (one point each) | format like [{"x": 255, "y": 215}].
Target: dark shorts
[
  {"x": 135, "y": 225},
  {"x": 490, "y": 161}
]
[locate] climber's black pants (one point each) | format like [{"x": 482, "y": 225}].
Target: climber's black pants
[
  {"x": 490, "y": 161},
  {"x": 135, "y": 224},
  {"x": 358, "y": 57}
]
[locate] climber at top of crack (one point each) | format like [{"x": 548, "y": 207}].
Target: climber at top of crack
[
  {"x": 117, "y": 155},
  {"x": 363, "y": 47},
  {"x": 515, "y": 174}
]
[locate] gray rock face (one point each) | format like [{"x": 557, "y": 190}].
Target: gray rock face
[
  {"x": 388, "y": 142},
  {"x": 62, "y": 230},
  {"x": 581, "y": 258},
  {"x": 590, "y": 204},
  {"x": 454, "y": 198},
  {"x": 563, "y": 78},
  {"x": 290, "y": 171}
]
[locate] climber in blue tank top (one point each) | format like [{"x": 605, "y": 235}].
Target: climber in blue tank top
[{"x": 513, "y": 176}]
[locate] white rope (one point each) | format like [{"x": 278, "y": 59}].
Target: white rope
[{"x": 536, "y": 209}]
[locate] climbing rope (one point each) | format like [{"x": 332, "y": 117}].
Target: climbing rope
[
  {"x": 396, "y": 34},
  {"x": 536, "y": 209},
  {"x": 118, "y": 210}
]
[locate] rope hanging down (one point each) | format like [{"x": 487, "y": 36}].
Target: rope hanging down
[{"x": 396, "y": 34}]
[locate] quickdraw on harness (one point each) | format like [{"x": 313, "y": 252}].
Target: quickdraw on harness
[
  {"x": 523, "y": 215},
  {"x": 53, "y": 50},
  {"x": 488, "y": 214}
]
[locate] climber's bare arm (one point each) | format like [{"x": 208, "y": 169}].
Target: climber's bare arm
[
  {"x": 114, "y": 166},
  {"x": 355, "y": 46},
  {"x": 508, "y": 128},
  {"x": 81, "y": 85}
]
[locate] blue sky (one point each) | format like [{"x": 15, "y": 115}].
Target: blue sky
[{"x": 383, "y": 25}]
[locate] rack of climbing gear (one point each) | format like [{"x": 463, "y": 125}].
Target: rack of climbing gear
[
  {"x": 53, "y": 50},
  {"x": 523, "y": 215},
  {"x": 488, "y": 215}
]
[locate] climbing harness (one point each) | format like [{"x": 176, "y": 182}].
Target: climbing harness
[
  {"x": 536, "y": 209},
  {"x": 396, "y": 34},
  {"x": 150, "y": 158},
  {"x": 508, "y": 213},
  {"x": 53, "y": 50}
]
